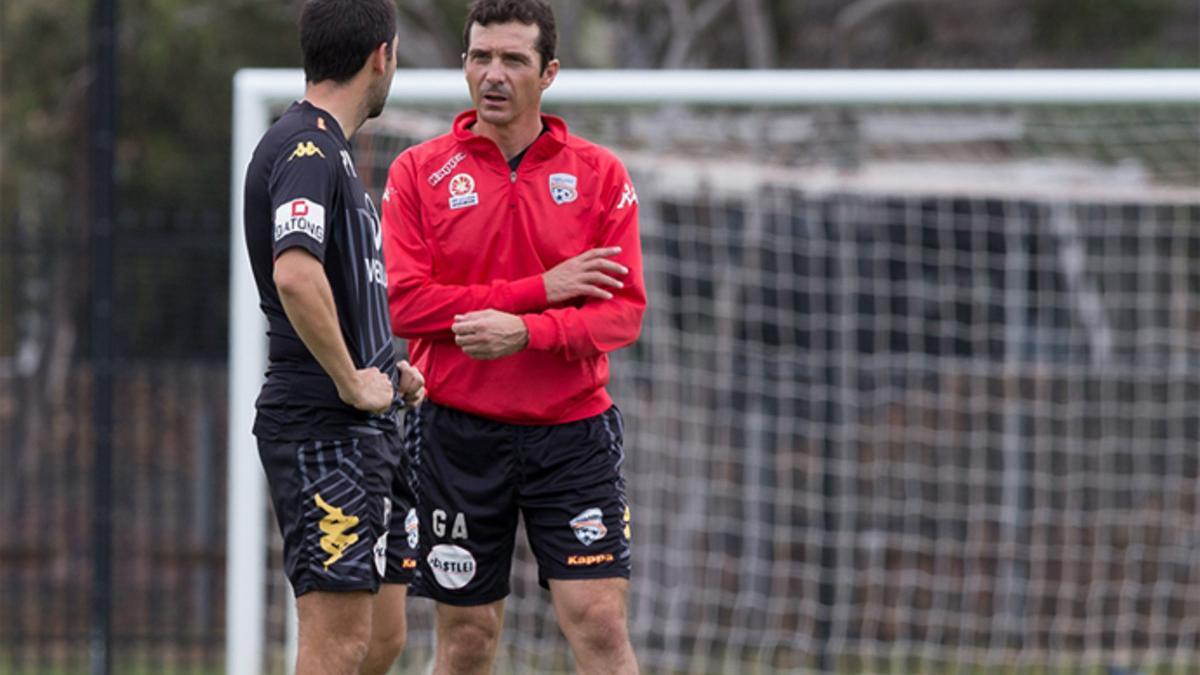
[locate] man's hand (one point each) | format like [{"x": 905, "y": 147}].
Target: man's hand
[
  {"x": 412, "y": 384},
  {"x": 490, "y": 334},
  {"x": 584, "y": 276},
  {"x": 368, "y": 390}
]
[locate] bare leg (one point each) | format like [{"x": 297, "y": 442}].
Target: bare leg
[
  {"x": 467, "y": 638},
  {"x": 389, "y": 629},
  {"x": 334, "y": 631},
  {"x": 591, "y": 613}
]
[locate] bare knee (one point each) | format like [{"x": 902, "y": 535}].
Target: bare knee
[
  {"x": 599, "y": 627},
  {"x": 389, "y": 629},
  {"x": 335, "y": 632},
  {"x": 332, "y": 650},
  {"x": 389, "y": 644},
  {"x": 468, "y": 637}
]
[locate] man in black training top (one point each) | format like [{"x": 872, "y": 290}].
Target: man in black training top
[{"x": 327, "y": 424}]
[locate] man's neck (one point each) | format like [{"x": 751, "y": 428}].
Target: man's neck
[
  {"x": 342, "y": 101},
  {"x": 512, "y": 138}
]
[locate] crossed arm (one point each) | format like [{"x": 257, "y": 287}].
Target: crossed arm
[
  {"x": 586, "y": 305},
  {"x": 492, "y": 334}
]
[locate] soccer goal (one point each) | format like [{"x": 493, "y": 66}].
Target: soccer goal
[{"x": 919, "y": 383}]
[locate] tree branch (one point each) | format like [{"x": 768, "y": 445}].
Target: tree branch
[{"x": 756, "y": 30}]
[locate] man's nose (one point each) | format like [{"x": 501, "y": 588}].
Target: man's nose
[{"x": 494, "y": 73}]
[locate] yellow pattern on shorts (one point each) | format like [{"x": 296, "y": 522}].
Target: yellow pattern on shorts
[{"x": 334, "y": 525}]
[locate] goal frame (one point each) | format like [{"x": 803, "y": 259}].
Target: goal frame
[{"x": 256, "y": 91}]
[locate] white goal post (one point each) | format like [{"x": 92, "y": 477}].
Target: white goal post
[{"x": 258, "y": 93}]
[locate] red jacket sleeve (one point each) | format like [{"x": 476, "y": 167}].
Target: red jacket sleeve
[
  {"x": 420, "y": 307},
  {"x": 601, "y": 326}
]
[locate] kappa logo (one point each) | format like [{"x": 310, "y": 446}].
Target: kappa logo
[
  {"x": 590, "y": 560},
  {"x": 336, "y": 525},
  {"x": 562, "y": 188},
  {"x": 306, "y": 149},
  {"x": 441, "y": 174},
  {"x": 589, "y": 526},
  {"x": 628, "y": 197},
  {"x": 627, "y": 518},
  {"x": 462, "y": 191}
]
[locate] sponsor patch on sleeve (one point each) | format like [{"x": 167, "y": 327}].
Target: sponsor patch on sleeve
[{"x": 303, "y": 216}]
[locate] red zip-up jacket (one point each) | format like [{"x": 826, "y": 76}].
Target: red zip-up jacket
[{"x": 462, "y": 232}]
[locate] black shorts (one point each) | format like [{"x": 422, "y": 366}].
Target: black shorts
[
  {"x": 345, "y": 509},
  {"x": 474, "y": 475}
]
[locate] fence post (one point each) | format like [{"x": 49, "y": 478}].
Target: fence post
[{"x": 103, "y": 128}]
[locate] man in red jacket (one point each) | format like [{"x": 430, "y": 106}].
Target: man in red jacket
[{"x": 514, "y": 268}]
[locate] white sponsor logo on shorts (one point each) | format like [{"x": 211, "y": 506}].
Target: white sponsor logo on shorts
[
  {"x": 589, "y": 526},
  {"x": 453, "y": 566}
]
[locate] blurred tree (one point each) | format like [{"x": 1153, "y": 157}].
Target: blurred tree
[
  {"x": 178, "y": 57},
  {"x": 43, "y": 103}
]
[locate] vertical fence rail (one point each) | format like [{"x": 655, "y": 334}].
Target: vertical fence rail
[{"x": 103, "y": 137}]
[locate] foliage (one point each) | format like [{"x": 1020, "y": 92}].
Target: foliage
[{"x": 177, "y": 58}]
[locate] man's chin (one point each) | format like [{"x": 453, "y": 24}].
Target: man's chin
[{"x": 493, "y": 116}]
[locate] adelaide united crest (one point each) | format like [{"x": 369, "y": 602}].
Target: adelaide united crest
[{"x": 562, "y": 188}]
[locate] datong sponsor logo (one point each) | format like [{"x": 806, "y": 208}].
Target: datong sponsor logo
[{"x": 302, "y": 216}]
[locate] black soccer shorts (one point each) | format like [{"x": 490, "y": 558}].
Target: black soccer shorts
[
  {"x": 474, "y": 475},
  {"x": 345, "y": 509}
]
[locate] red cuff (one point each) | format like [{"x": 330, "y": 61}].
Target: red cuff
[
  {"x": 527, "y": 295},
  {"x": 543, "y": 331}
]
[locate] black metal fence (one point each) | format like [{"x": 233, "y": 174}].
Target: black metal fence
[{"x": 169, "y": 393}]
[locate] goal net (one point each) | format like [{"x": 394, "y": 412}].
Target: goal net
[{"x": 917, "y": 390}]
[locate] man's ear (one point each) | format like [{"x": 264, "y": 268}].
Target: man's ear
[
  {"x": 380, "y": 57},
  {"x": 549, "y": 73}
]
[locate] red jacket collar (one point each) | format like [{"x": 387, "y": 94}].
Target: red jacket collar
[{"x": 545, "y": 145}]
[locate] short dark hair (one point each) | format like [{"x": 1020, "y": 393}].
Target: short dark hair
[
  {"x": 337, "y": 36},
  {"x": 528, "y": 12}
]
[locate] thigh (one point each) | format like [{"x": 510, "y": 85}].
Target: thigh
[
  {"x": 388, "y": 612},
  {"x": 576, "y": 601},
  {"x": 330, "y": 499},
  {"x": 466, "y": 511},
  {"x": 323, "y": 615},
  {"x": 573, "y": 499}
]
